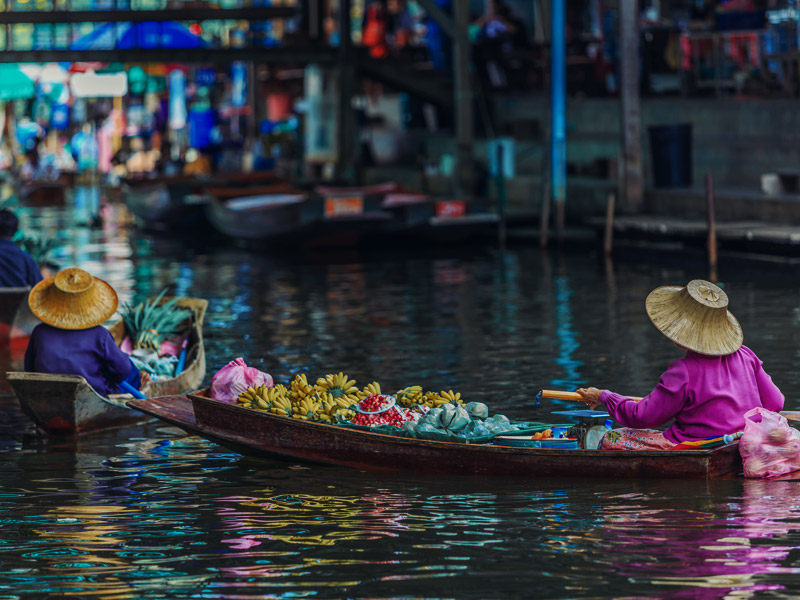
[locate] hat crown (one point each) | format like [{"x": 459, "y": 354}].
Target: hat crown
[
  {"x": 73, "y": 281},
  {"x": 695, "y": 317},
  {"x": 707, "y": 294}
]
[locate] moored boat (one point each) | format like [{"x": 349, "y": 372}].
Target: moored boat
[
  {"x": 259, "y": 218},
  {"x": 68, "y": 405},
  {"x": 438, "y": 220},
  {"x": 271, "y": 436}
]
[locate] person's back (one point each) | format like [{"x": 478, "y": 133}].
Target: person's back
[
  {"x": 17, "y": 268},
  {"x": 90, "y": 353},
  {"x": 72, "y": 306},
  {"x": 719, "y": 391}
]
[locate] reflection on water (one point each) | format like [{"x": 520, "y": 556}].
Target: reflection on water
[{"x": 150, "y": 512}]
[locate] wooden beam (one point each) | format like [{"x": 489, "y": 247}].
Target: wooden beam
[
  {"x": 345, "y": 126},
  {"x": 256, "y": 13},
  {"x": 632, "y": 183},
  {"x": 284, "y": 55}
]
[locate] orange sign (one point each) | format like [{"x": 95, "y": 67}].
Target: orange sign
[
  {"x": 341, "y": 206},
  {"x": 451, "y": 209}
]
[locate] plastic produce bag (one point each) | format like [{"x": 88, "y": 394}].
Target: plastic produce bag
[
  {"x": 234, "y": 378},
  {"x": 769, "y": 447}
]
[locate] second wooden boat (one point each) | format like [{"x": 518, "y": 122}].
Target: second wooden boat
[
  {"x": 68, "y": 405},
  {"x": 270, "y": 436},
  {"x": 16, "y": 319}
]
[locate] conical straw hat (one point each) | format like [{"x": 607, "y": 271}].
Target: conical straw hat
[
  {"x": 73, "y": 299},
  {"x": 696, "y": 317}
]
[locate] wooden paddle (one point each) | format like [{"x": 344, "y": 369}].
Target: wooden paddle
[
  {"x": 791, "y": 415},
  {"x": 575, "y": 396}
]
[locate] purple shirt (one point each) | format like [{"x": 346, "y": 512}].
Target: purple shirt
[
  {"x": 706, "y": 395},
  {"x": 91, "y": 353},
  {"x": 17, "y": 268}
]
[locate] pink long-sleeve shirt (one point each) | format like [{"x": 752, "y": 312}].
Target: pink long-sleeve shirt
[{"x": 706, "y": 395}]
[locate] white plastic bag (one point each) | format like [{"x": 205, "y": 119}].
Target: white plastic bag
[
  {"x": 234, "y": 378},
  {"x": 769, "y": 447}
]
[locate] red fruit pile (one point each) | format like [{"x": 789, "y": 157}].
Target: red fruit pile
[{"x": 375, "y": 403}]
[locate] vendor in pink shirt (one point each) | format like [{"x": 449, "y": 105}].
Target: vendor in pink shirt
[{"x": 702, "y": 395}]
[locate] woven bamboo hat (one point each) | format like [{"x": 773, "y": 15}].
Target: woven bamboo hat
[
  {"x": 73, "y": 299},
  {"x": 696, "y": 317}
]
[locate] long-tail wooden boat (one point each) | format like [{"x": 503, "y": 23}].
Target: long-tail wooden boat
[
  {"x": 176, "y": 202},
  {"x": 16, "y": 319},
  {"x": 438, "y": 220},
  {"x": 260, "y": 218},
  {"x": 43, "y": 192},
  {"x": 68, "y": 405},
  {"x": 270, "y": 436},
  {"x": 162, "y": 203}
]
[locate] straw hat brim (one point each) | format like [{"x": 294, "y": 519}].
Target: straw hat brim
[
  {"x": 73, "y": 311},
  {"x": 691, "y": 325}
]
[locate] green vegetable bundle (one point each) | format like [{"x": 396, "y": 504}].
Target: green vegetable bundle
[
  {"x": 150, "y": 323},
  {"x": 37, "y": 246}
]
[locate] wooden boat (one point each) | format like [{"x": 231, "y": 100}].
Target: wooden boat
[
  {"x": 176, "y": 202},
  {"x": 40, "y": 192},
  {"x": 438, "y": 220},
  {"x": 270, "y": 436},
  {"x": 16, "y": 319},
  {"x": 67, "y": 404},
  {"x": 260, "y": 218},
  {"x": 166, "y": 202}
]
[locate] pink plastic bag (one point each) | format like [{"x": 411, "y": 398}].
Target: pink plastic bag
[
  {"x": 234, "y": 378},
  {"x": 769, "y": 447}
]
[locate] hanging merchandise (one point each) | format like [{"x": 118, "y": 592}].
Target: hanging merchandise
[
  {"x": 238, "y": 84},
  {"x": 59, "y": 117},
  {"x": 320, "y": 105},
  {"x": 201, "y": 124},
  {"x": 177, "y": 99},
  {"x": 137, "y": 80},
  {"x": 205, "y": 77}
]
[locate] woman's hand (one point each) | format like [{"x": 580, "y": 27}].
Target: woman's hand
[
  {"x": 591, "y": 396},
  {"x": 144, "y": 378}
]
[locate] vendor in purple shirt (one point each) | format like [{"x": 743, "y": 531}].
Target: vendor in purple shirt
[
  {"x": 72, "y": 306},
  {"x": 707, "y": 392},
  {"x": 17, "y": 268}
]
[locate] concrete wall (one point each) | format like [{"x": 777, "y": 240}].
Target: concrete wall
[{"x": 736, "y": 140}]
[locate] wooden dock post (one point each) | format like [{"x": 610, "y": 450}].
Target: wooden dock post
[
  {"x": 712, "y": 228},
  {"x": 544, "y": 216},
  {"x": 608, "y": 238}
]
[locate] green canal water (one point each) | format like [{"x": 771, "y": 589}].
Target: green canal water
[{"x": 151, "y": 512}]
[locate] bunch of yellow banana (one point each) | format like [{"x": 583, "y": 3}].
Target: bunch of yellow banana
[
  {"x": 434, "y": 399},
  {"x": 307, "y": 409},
  {"x": 343, "y": 414},
  {"x": 371, "y": 389},
  {"x": 337, "y": 388},
  {"x": 300, "y": 388},
  {"x": 410, "y": 396},
  {"x": 281, "y": 406},
  {"x": 262, "y": 397}
]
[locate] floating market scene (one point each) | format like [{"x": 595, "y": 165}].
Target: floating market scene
[{"x": 399, "y": 299}]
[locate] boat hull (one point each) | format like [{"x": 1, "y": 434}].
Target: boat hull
[
  {"x": 262, "y": 434},
  {"x": 68, "y": 405},
  {"x": 16, "y": 319}
]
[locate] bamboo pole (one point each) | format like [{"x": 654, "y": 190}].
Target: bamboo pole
[{"x": 608, "y": 238}]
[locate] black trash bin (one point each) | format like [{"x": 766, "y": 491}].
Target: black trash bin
[{"x": 671, "y": 151}]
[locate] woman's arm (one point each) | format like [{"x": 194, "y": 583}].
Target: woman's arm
[
  {"x": 771, "y": 396},
  {"x": 661, "y": 405}
]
